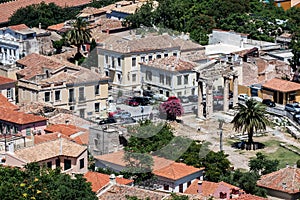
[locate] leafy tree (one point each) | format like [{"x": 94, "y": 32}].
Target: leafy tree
[
  {"x": 250, "y": 117},
  {"x": 174, "y": 196},
  {"x": 78, "y": 35},
  {"x": 262, "y": 165},
  {"x": 101, "y": 3},
  {"x": 172, "y": 109},
  {"x": 35, "y": 182},
  {"x": 46, "y": 14},
  {"x": 295, "y": 46}
]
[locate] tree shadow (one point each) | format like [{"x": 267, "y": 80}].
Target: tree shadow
[{"x": 247, "y": 146}]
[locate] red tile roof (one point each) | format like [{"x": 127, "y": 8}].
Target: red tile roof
[
  {"x": 176, "y": 171},
  {"x": 47, "y": 137},
  {"x": 4, "y": 103},
  {"x": 18, "y": 27},
  {"x": 249, "y": 197},
  {"x": 100, "y": 180},
  {"x": 7, "y": 9},
  {"x": 284, "y": 180},
  {"x": 4, "y": 80},
  {"x": 282, "y": 85},
  {"x": 16, "y": 117},
  {"x": 56, "y": 27},
  {"x": 64, "y": 129},
  {"x": 208, "y": 188},
  {"x": 82, "y": 139}
]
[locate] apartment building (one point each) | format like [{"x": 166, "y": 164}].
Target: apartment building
[
  {"x": 62, "y": 84},
  {"x": 120, "y": 57}
]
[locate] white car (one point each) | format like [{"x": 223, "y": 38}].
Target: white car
[
  {"x": 257, "y": 99},
  {"x": 243, "y": 97},
  {"x": 160, "y": 97}
]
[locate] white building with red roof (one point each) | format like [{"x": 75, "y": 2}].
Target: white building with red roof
[
  {"x": 284, "y": 183},
  {"x": 16, "y": 42}
]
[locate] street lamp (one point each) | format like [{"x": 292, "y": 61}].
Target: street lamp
[{"x": 221, "y": 122}]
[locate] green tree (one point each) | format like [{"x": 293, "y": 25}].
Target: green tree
[
  {"x": 174, "y": 196},
  {"x": 37, "y": 183},
  {"x": 46, "y": 14},
  {"x": 295, "y": 46},
  {"x": 250, "y": 118},
  {"x": 262, "y": 165},
  {"x": 79, "y": 35}
]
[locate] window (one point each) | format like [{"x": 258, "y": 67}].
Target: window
[
  {"x": 179, "y": 94},
  {"x": 97, "y": 107},
  {"x": 181, "y": 188},
  {"x": 166, "y": 187},
  {"x": 49, "y": 164},
  {"x": 57, "y": 95},
  {"x": 106, "y": 73},
  {"x": 106, "y": 59},
  {"x": 28, "y": 132},
  {"x": 119, "y": 77},
  {"x": 179, "y": 80},
  {"x": 186, "y": 79},
  {"x": 81, "y": 113},
  {"x": 81, "y": 163},
  {"x": 168, "y": 80},
  {"x": 81, "y": 94},
  {"x": 161, "y": 79},
  {"x": 150, "y": 57},
  {"x": 133, "y": 62},
  {"x": 189, "y": 183},
  {"x": 67, "y": 164},
  {"x": 133, "y": 77},
  {"x": 9, "y": 93},
  {"x": 119, "y": 62},
  {"x": 166, "y": 55},
  {"x": 72, "y": 108},
  {"x": 47, "y": 96},
  {"x": 143, "y": 59},
  {"x": 97, "y": 87},
  {"x": 148, "y": 75},
  {"x": 112, "y": 62},
  {"x": 158, "y": 56},
  {"x": 71, "y": 95},
  {"x": 174, "y": 54},
  {"x": 57, "y": 163}
]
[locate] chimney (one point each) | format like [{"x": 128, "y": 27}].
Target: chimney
[
  {"x": 40, "y": 26},
  {"x": 200, "y": 182},
  {"x": 112, "y": 179}
]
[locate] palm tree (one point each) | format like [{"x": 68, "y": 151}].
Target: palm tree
[
  {"x": 250, "y": 117},
  {"x": 79, "y": 34}
]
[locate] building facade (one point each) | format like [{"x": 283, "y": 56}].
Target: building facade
[
  {"x": 62, "y": 84},
  {"x": 8, "y": 88}
]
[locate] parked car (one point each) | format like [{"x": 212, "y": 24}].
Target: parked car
[
  {"x": 268, "y": 102},
  {"x": 243, "y": 97},
  {"x": 193, "y": 98},
  {"x": 148, "y": 93},
  {"x": 110, "y": 120},
  {"x": 132, "y": 102},
  {"x": 128, "y": 120},
  {"x": 122, "y": 115},
  {"x": 160, "y": 97},
  {"x": 297, "y": 117},
  {"x": 292, "y": 107},
  {"x": 184, "y": 99},
  {"x": 257, "y": 99},
  {"x": 143, "y": 101},
  {"x": 151, "y": 100}
]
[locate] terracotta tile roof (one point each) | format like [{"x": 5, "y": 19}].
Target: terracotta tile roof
[
  {"x": 4, "y": 80},
  {"x": 171, "y": 63},
  {"x": 64, "y": 129},
  {"x": 176, "y": 171},
  {"x": 281, "y": 85},
  {"x": 208, "y": 188},
  {"x": 188, "y": 45},
  {"x": 121, "y": 45},
  {"x": 285, "y": 180},
  {"x": 17, "y": 117},
  {"x": 56, "y": 27},
  {"x": 82, "y": 139},
  {"x": 249, "y": 197},
  {"x": 100, "y": 180},
  {"x": 117, "y": 158},
  {"x": 92, "y": 10},
  {"x": 105, "y": 23},
  {"x": 70, "y": 118},
  {"x": 48, "y": 137},
  {"x": 4, "y": 103},
  {"x": 120, "y": 192},
  {"x": 8, "y": 8},
  {"x": 50, "y": 149},
  {"x": 18, "y": 27}
]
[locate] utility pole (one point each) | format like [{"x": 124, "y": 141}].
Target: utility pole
[{"x": 221, "y": 122}]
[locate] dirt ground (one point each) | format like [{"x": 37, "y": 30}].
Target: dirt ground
[{"x": 208, "y": 130}]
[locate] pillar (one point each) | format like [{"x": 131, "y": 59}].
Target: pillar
[
  {"x": 226, "y": 95},
  {"x": 200, "y": 100},
  {"x": 209, "y": 100},
  {"x": 235, "y": 90}
]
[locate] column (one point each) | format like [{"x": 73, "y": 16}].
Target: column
[
  {"x": 3, "y": 54},
  {"x": 226, "y": 95},
  {"x": 235, "y": 90},
  {"x": 200, "y": 99},
  {"x": 209, "y": 100}
]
